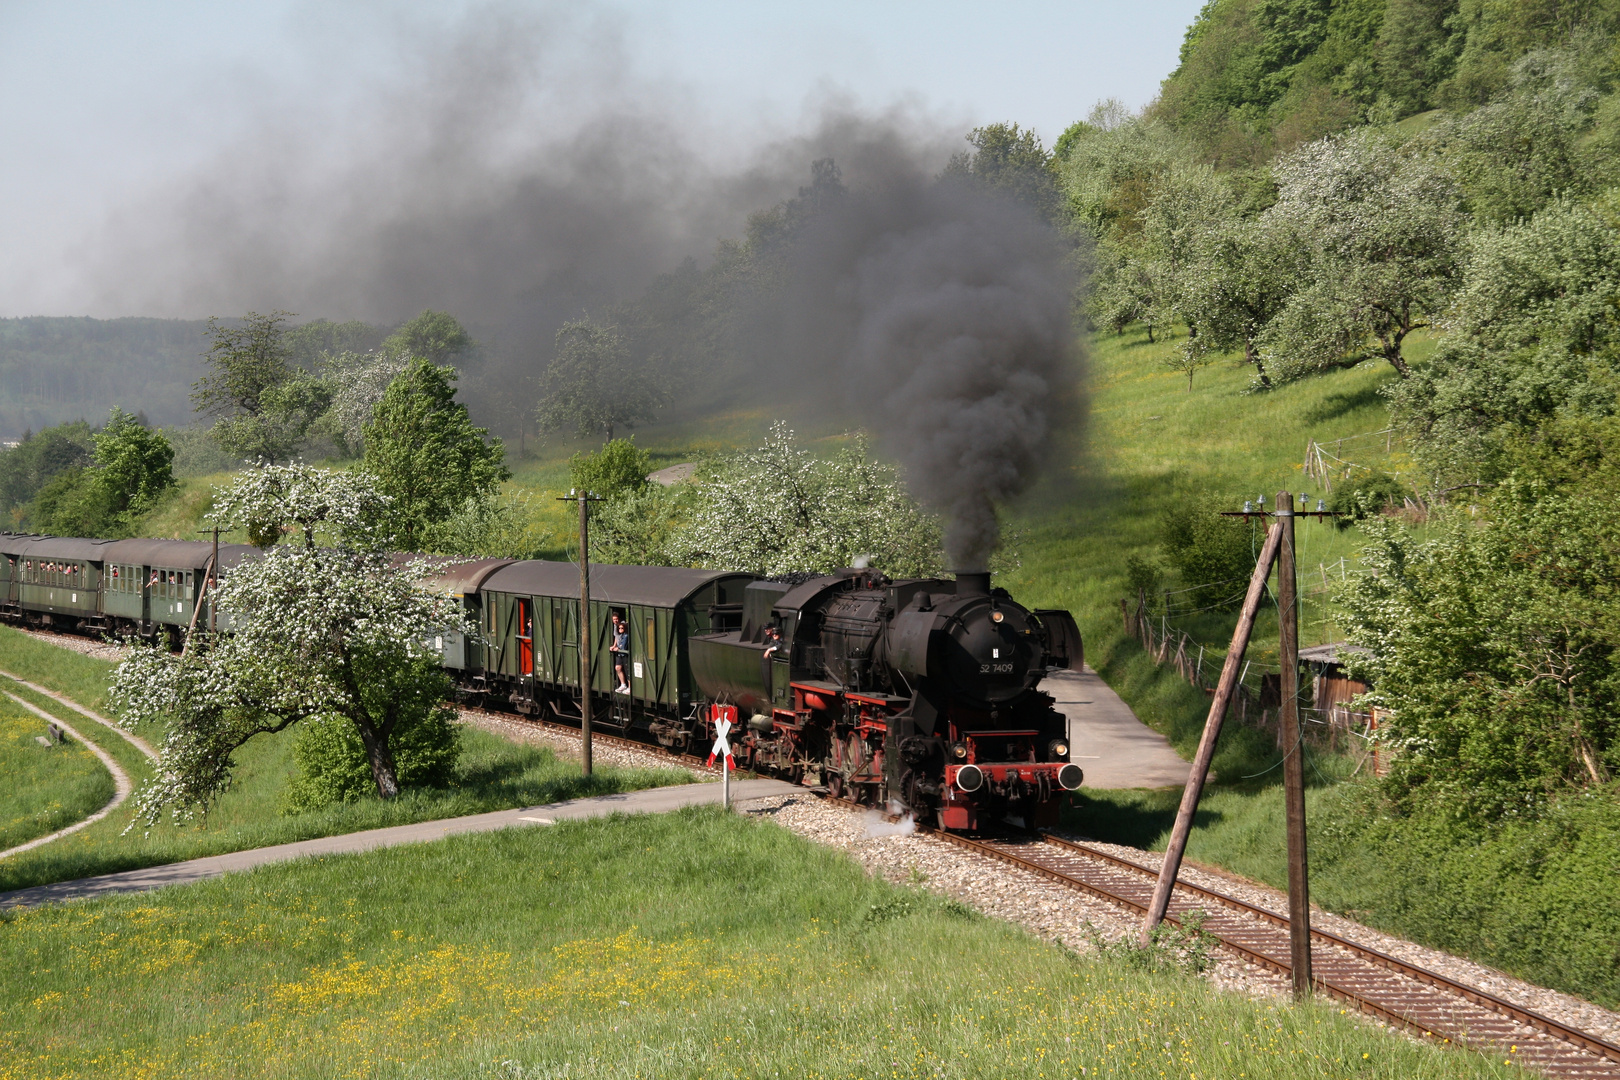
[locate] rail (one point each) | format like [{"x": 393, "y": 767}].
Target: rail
[{"x": 1393, "y": 990}]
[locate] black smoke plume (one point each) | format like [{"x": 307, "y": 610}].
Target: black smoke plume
[
  {"x": 517, "y": 172},
  {"x": 941, "y": 311}
]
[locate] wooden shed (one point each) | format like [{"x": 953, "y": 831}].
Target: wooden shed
[{"x": 1332, "y": 688}]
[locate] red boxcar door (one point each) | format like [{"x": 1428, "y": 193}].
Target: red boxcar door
[{"x": 525, "y": 638}]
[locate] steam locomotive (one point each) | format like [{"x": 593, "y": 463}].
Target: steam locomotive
[{"x": 921, "y": 693}]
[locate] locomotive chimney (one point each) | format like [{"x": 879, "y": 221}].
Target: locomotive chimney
[{"x": 972, "y": 582}]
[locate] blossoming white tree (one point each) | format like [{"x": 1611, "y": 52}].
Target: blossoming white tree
[
  {"x": 781, "y": 509},
  {"x": 332, "y": 630},
  {"x": 1381, "y": 230}
]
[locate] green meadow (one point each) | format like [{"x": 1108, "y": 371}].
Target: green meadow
[
  {"x": 46, "y": 787},
  {"x": 695, "y": 944}
]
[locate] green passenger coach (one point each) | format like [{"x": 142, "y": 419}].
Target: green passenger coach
[
  {"x": 57, "y": 578},
  {"x": 530, "y": 619}
]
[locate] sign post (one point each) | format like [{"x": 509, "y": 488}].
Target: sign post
[{"x": 723, "y": 715}]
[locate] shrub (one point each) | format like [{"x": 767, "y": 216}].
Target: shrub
[
  {"x": 619, "y": 468},
  {"x": 1212, "y": 555},
  {"x": 1370, "y": 496},
  {"x": 333, "y": 767},
  {"x": 1143, "y": 577}
]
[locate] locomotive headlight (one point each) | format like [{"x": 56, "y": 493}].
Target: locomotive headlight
[
  {"x": 1058, "y": 749},
  {"x": 996, "y": 616},
  {"x": 959, "y": 750}
]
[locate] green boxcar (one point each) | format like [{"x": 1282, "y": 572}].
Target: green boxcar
[
  {"x": 153, "y": 583},
  {"x": 530, "y": 615}
]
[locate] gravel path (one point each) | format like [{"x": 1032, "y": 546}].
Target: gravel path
[{"x": 121, "y": 782}]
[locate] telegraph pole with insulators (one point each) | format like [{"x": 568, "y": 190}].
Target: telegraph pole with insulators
[{"x": 584, "y": 498}]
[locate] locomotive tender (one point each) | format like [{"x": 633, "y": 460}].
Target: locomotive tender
[{"x": 917, "y": 692}]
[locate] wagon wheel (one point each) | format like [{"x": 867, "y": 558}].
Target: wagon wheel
[{"x": 835, "y": 785}]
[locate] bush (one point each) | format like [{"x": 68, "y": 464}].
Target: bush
[
  {"x": 1212, "y": 555},
  {"x": 780, "y": 509},
  {"x": 1370, "y": 496},
  {"x": 635, "y": 527},
  {"x": 74, "y": 503},
  {"x": 619, "y": 468},
  {"x": 1533, "y": 897},
  {"x": 488, "y": 526},
  {"x": 333, "y": 767},
  {"x": 1494, "y": 646},
  {"x": 1143, "y": 578}
]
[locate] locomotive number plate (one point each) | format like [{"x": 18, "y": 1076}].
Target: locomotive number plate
[{"x": 995, "y": 669}]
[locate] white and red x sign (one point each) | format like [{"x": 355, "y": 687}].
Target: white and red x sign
[
  {"x": 722, "y": 728},
  {"x": 721, "y": 747}
]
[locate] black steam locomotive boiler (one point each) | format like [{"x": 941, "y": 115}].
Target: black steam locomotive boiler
[{"x": 921, "y": 693}]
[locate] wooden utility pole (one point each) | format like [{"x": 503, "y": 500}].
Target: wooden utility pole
[
  {"x": 213, "y": 575},
  {"x": 584, "y": 498},
  {"x": 1212, "y": 731},
  {"x": 1299, "y": 888}
]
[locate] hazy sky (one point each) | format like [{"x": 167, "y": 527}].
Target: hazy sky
[{"x": 107, "y": 110}]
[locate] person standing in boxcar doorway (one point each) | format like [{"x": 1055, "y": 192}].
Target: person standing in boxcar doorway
[{"x": 621, "y": 653}]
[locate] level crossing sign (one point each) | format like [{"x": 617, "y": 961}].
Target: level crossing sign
[{"x": 722, "y": 747}]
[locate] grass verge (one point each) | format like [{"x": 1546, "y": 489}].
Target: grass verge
[
  {"x": 695, "y": 944},
  {"x": 46, "y": 787}
]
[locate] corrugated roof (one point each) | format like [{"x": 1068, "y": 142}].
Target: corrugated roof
[
  {"x": 12, "y": 543},
  {"x": 658, "y": 586},
  {"x": 458, "y": 577},
  {"x": 1331, "y": 653}
]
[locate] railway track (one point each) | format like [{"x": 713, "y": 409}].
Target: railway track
[{"x": 1392, "y": 990}]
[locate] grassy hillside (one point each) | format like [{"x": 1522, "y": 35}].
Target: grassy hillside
[
  {"x": 1152, "y": 446},
  {"x": 697, "y": 944}
]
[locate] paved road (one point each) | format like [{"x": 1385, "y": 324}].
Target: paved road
[
  {"x": 651, "y": 801},
  {"x": 1115, "y": 749}
]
